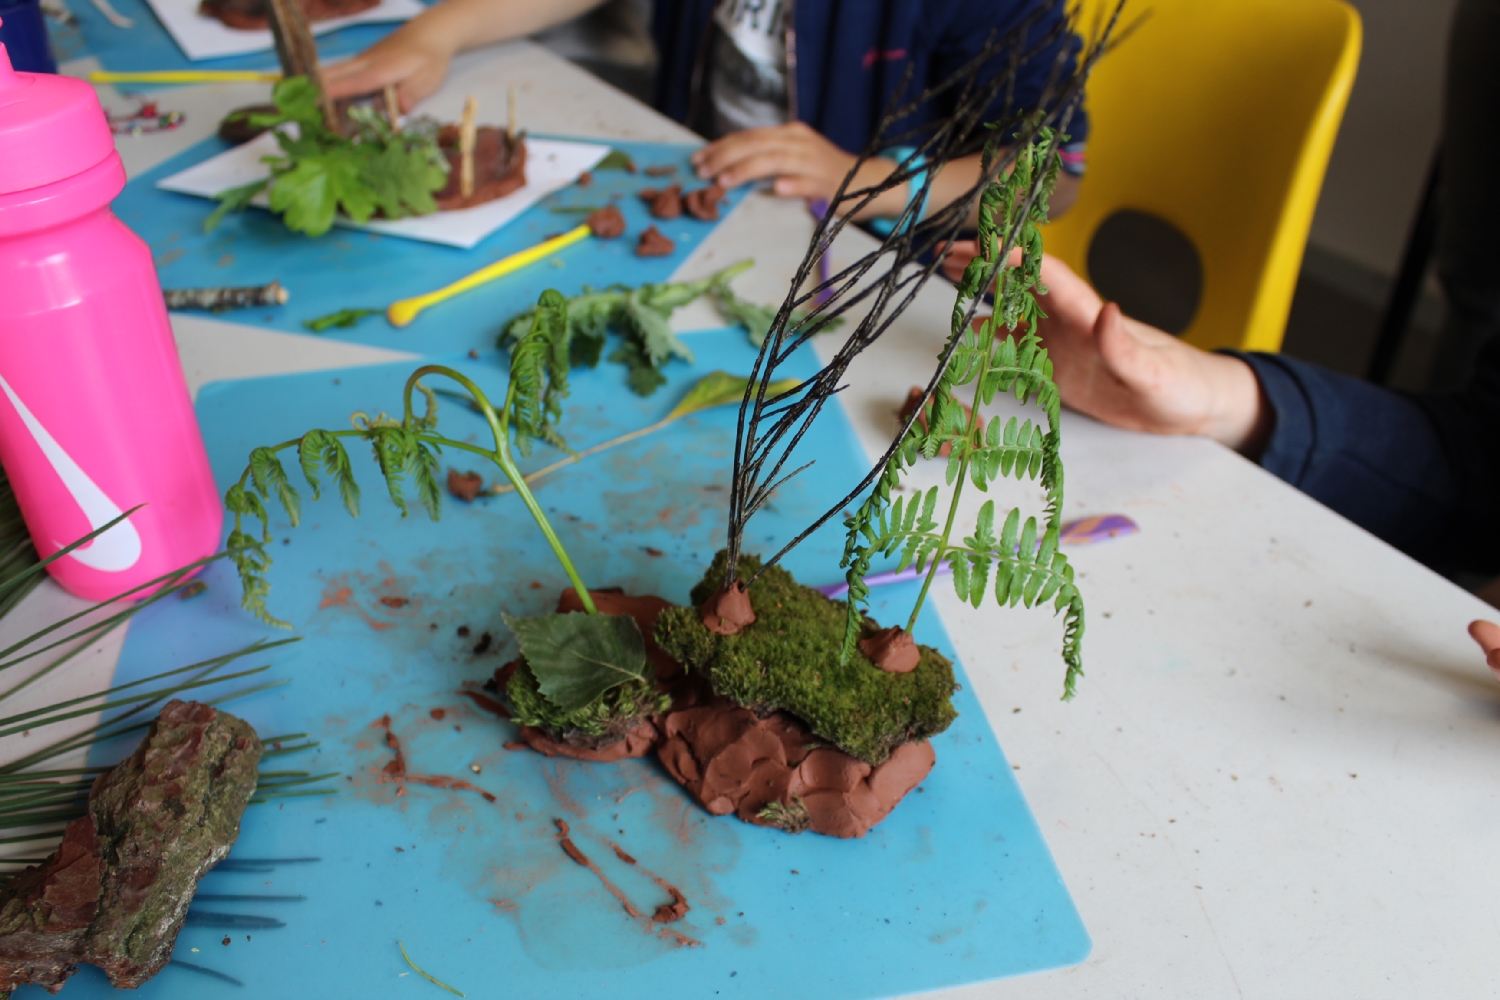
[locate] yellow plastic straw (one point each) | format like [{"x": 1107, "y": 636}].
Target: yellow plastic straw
[
  {"x": 403, "y": 312},
  {"x": 188, "y": 76}
]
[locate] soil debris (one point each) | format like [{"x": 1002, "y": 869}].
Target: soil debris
[
  {"x": 465, "y": 485},
  {"x": 395, "y": 602},
  {"x": 395, "y": 771}
]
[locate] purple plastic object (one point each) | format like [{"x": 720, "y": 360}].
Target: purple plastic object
[{"x": 95, "y": 417}]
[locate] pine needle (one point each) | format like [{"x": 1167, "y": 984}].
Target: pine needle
[{"x": 430, "y": 979}]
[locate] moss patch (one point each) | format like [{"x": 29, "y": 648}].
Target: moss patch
[
  {"x": 601, "y": 722},
  {"x": 789, "y": 660}
]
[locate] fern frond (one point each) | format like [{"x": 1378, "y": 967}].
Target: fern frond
[{"x": 270, "y": 479}]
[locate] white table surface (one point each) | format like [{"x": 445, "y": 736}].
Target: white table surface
[{"x": 1279, "y": 778}]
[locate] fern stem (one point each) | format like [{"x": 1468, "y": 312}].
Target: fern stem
[
  {"x": 987, "y": 341},
  {"x": 501, "y": 457}
]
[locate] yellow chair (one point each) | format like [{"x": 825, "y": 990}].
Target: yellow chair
[{"x": 1218, "y": 116}]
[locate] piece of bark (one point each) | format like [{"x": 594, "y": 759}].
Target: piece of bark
[
  {"x": 116, "y": 892},
  {"x": 654, "y": 243},
  {"x": 298, "y": 52}
]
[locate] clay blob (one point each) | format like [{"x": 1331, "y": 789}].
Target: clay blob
[
  {"x": 664, "y": 204},
  {"x": 585, "y": 179},
  {"x": 253, "y": 15},
  {"x": 771, "y": 772},
  {"x": 728, "y": 611},
  {"x": 499, "y": 166},
  {"x": 892, "y": 650},
  {"x": 654, "y": 243},
  {"x": 465, "y": 485},
  {"x": 660, "y": 170},
  {"x": 703, "y": 204},
  {"x": 606, "y": 223}
]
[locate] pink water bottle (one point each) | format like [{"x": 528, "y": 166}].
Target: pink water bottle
[{"x": 95, "y": 417}]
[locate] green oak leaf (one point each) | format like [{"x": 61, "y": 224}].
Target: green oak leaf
[{"x": 576, "y": 658}]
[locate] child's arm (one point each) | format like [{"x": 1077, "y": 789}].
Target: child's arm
[
  {"x": 415, "y": 57},
  {"x": 806, "y": 165}
]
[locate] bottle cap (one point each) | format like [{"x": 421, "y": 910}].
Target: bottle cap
[{"x": 51, "y": 128}]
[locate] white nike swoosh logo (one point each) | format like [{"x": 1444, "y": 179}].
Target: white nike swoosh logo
[{"x": 117, "y": 549}]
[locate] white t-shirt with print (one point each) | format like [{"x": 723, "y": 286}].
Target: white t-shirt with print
[{"x": 747, "y": 73}]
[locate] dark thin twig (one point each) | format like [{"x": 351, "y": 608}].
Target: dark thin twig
[{"x": 887, "y": 280}]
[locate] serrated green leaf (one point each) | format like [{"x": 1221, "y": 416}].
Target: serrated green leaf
[{"x": 576, "y": 658}]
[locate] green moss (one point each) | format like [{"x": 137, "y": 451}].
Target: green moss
[
  {"x": 789, "y": 660},
  {"x": 792, "y": 819},
  {"x": 602, "y": 721}
]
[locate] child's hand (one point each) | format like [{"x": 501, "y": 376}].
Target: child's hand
[
  {"x": 1487, "y": 634},
  {"x": 803, "y": 163},
  {"x": 415, "y": 61},
  {"x": 959, "y": 254}
]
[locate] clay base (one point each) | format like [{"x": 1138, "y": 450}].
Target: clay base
[
  {"x": 638, "y": 742},
  {"x": 729, "y": 611},
  {"x": 766, "y": 772},
  {"x": 251, "y": 15},
  {"x": 499, "y": 167}
]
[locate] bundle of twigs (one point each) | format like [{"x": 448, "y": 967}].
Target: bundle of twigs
[{"x": 886, "y": 280}]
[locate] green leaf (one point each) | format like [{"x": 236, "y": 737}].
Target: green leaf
[
  {"x": 719, "y": 388},
  {"x": 615, "y": 159},
  {"x": 236, "y": 199},
  {"x": 653, "y": 332},
  {"x": 576, "y": 658},
  {"x": 344, "y": 319},
  {"x": 642, "y": 378},
  {"x": 308, "y": 195}
]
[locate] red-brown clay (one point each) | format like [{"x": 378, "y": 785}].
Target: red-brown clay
[
  {"x": 892, "y": 650},
  {"x": 465, "y": 485},
  {"x": 499, "y": 167},
  {"x": 395, "y": 771},
  {"x": 654, "y": 243},
  {"x": 704, "y": 203},
  {"x": 606, "y": 223},
  {"x": 636, "y": 743},
  {"x": 585, "y": 179},
  {"x": 728, "y": 611},
  {"x": 487, "y": 703},
  {"x": 733, "y": 761},
  {"x": 664, "y": 204},
  {"x": 666, "y": 913},
  {"x": 661, "y": 170}
]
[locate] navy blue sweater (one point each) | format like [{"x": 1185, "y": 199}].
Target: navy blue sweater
[
  {"x": 1420, "y": 471},
  {"x": 849, "y": 57}
]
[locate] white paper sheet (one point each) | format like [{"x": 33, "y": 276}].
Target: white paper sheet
[
  {"x": 202, "y": 37},
  {"x": 551, "y": 164}
]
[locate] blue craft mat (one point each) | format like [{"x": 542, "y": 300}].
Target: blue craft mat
[
  {"x": 146, "y": 45},
  {"x": 956, "y": 886},
  {"x": 347, "y": 268}
]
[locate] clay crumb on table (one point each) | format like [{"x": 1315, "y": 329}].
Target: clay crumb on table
[{"x": 654, "y": 243}]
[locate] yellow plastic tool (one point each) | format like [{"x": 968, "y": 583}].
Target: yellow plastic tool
[
  {"x": 1218, "y": 116},
  {"x": 187, "y": 76},
  {"x": 403, "y": 312}
]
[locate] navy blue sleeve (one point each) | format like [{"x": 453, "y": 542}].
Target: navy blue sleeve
[
  {"x": 1422, "y": 473},
  {"x": 969, "y": 27}
]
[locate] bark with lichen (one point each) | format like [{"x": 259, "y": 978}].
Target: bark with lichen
[{"x": 116, "y": 892}]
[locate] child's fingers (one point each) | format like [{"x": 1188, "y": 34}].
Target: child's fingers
[
  {"x": 763, "y": 164},
  {"x": 1487, "y": 634}
]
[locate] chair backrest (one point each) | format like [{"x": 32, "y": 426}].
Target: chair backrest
[{"x": 1218, "y": 116}]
